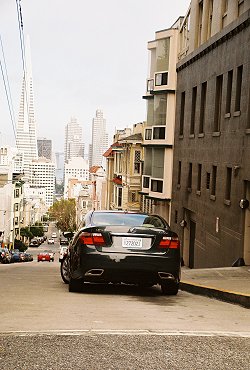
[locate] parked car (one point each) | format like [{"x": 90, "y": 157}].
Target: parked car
[
  {"x": 15, "y": 255},
  {"x": 34, "y": 243},
  {"x": 28, "y": 257},
  {"x": 53, "y": 235},
  {"x": 124, "y": 247},
  {"x": 5, "y": 255},
  {"x": 63, "y": 240},
  {"x": 51, "y": 241},
  {"x": 43, "y": 256}
]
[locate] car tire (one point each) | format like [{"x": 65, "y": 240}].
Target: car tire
[
  {"x": 64, "y": 270},
  {"x": 169, "y": 287},
  {"x": 75, "y": 285}
]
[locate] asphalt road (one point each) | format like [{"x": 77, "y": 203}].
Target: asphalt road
[{"x": 43, "y": 326}]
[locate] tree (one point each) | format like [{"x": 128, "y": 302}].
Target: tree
[
  {"x": 64, "y": 213},
  {"x": 25, "y": 231}
]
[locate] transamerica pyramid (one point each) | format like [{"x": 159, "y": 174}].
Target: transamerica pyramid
[{"x": 26, "y": 136}]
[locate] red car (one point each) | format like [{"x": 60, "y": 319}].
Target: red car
[{"x": 43, "y": 256}]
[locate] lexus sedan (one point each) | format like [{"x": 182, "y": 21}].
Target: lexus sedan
[{"x": 124, "y": 247}]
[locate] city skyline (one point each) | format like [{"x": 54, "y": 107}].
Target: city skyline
[{"x": 97, "y": 63}]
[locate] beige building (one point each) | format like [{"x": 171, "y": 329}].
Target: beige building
[
  {"x": 124, "y": 169},
  {"x": 158, "y": 136}
]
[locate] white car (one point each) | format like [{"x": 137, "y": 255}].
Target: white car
[
  {"x": 62, "y": 252},
  {"x": 53, "y": 235},
  {"x": 51, "y": 241}
]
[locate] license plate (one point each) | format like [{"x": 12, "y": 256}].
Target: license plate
[
  {"x": 43, "y": 259},
  {"x": 132, "y": 242}
]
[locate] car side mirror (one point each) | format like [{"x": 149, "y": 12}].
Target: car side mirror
[{"x": 68, "y": 234}]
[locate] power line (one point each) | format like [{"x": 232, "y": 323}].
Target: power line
[
  {"x": 20, "y": 26},
  {"x": 7, "y": 90}
]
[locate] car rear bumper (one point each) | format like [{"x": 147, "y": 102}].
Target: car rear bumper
[{"x": 128, "y": 268}]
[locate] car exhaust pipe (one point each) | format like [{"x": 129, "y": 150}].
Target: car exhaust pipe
[
  {"x": 94, "y": 272},
  {"x": 166, "y": 275}
]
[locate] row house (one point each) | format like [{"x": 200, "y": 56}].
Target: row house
[
  {"x": 124, "y": 169},
  {"x": 158, "y": 135}
]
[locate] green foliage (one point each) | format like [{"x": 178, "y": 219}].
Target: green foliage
[
  {"x": 18, "y": 244},
  {"x": 37, "y": 229},
  {"x": 25, "y": 231},
  {"x": 64, "y": 213}
]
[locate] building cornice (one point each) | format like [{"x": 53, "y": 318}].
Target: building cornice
[{"x": 221, "y": 37}]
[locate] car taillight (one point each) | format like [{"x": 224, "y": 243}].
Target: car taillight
[
  {"x": 92, "y": 239},
  {"x": 169, "y": 242}
]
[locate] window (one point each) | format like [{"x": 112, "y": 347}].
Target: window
[
  {"x": 182, "y": 112},
  {"x": 190, "y": 170},
  {"x": 16, "y": 220},
  {"x": 208, "y": 181},
  {"x": 161, "y": 78},
  {"x": 176, "y": 217},
  {"x": 199, "y": 177},
  {"x": 137, "y": 162},
  {"x": 238, "y": 88},
  {"x": 214, "y": 175},
  {"x": 159, "y": 133},
  {"x": 160, "y": 110},
  {"x": 229, "y": 91},
  {"x": 228, "y": 183},
  {"x": 119, "y": 197},
  {"x": 179, "y": 174},
  {"x": 218, "y": 98},
  {"x": 146, "y": 181},
  {"x": 150, "y": 85},
  {"x": 16, "y": 193},
  {"x": 162, "y": 54},
  {"x": 194, "y": 97},
  {"x": 157, "y": 186},
  {"x": 148, "y": 134},
  {"x": 203, "y": 107},
  {"x": 133, "y": 197},
  {"x": 16, "y": 206}
]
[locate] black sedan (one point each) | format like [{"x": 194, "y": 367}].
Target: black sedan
[{"x": 124, "y": 247}]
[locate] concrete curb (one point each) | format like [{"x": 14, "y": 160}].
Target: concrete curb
[{"x": 222, "y": 295}]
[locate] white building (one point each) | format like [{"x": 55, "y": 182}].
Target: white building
[
  {"x": 42, "y": 174},
  {"x": 76, "y": 168},
  {"x": 99, "y": 140},
  {"x": 26, "y": 137},
  {"x": 11, "y": 197},
  {"x": 34, "y": 204},
  {"x": 73, "y": 145}
]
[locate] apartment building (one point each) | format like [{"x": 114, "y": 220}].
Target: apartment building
[
  {"x": 211, "y": 172},
  {"x": 11, "y": 197},
  {"x": 158, "y": 136},
  {"x": 42, "y": 174},
  {"x": 76, "y": 168}
]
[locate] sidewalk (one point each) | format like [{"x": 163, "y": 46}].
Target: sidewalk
[{"x": 229, "y": 284}]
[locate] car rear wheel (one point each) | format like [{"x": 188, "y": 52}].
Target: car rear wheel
[
  {"x": 75, "y": 285},
  {"x": 64, "y": 269},
  {"x": 169, "y": 287}
]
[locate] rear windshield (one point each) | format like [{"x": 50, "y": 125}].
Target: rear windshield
[{"x": 128, "y": 219}]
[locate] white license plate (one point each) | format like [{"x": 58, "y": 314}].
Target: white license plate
[
  {"x": 43, "y": 259},
  {"x": 132, "y": 242}
]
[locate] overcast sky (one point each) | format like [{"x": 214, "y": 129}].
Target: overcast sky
[{"x": 85, "y": 55}]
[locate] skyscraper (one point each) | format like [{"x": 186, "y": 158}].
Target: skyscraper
[
  {"x": 26, "y": 137},
  {"x": 44, "y": 148},
  {"x": 73, "y": 146},
  {"x": 99, "y": 139}
]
